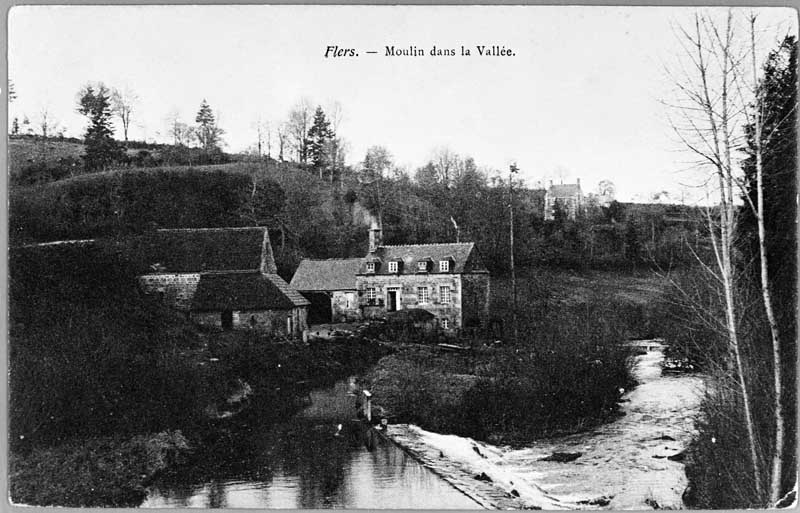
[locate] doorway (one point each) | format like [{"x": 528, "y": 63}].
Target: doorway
[
  {"x": 227, "y": 319},
  {"x": 392, "y": 299}
]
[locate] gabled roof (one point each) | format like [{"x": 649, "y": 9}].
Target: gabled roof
[
  {"x": 463, "y": 256},
  {"x": 564, "y": 190},
  {"x": 195, "y": 250},
  {"x": 244, "y": 291},
  {"x": 332, "y": 274}
]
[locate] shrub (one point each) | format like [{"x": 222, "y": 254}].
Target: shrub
[{"x": 91, "y": 355}]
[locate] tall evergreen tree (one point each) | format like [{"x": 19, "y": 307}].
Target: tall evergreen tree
[
  {"x": 208, "y": 133},
  {"x": 101, "y": 148},
  {"x": 319, "y": 135}
]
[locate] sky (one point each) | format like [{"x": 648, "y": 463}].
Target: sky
[{"x": 581, "y": 96}]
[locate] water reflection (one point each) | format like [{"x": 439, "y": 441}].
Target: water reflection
[{"x": 307, "y": 462}]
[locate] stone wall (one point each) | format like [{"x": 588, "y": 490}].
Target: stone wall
[
  {"x": 175, "y": 290},
  {"x": 407, "y": 286},
  {"x": 268, "y": 321},
  {"x": 344, "y": 306}
]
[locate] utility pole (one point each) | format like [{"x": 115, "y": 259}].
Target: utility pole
[{"x": 512, "y": 170}]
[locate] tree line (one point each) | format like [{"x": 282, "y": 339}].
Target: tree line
[{"x": 736, "y": 312}]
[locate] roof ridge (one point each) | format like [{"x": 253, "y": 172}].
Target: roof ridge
[
  {"x": 225, "y": 271},
  {"x": 423, "y": 245},
  {"x": 228, "y": 228},
  {"x": 330, "y": 259}
]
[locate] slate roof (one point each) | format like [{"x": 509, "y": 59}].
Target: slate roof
[
  {"x": 463, "y": 258},
  {"x": 203, "y": 249},
  {"x": 331, "y": 274},
  {"x": 244, "y": 291},
  {"x": 564, "y": 190}
]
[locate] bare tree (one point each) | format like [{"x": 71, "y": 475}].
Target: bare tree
[
  {"x": 282, "y": 133},
  {"x": 606, "y": 191},
  {"x": 446, "y": 163},
  {"x": 707, "y": 117},
  {"x": 756, "y": 120},
  {"x": 47, "y": 125},
  {"x": 180, "y": 132},
  {"x": 300, "y": 118},
  {"x": 123, "y": 103}
]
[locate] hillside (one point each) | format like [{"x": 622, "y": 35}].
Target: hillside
[{"x": 36, "y": 160}]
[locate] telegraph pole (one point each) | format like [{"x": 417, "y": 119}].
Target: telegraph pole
[{"x": 512, "y": 170}]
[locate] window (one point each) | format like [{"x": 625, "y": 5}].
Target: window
[
  {"x": 444, "y": 266},
  {"x": 444, "y": 294},
  {"x": 392, "y": 267},
  {"x": 422, "y": 295},
  {"x": 370, "y": 267},
  {"x": 445, "y": 324},
  {"x": 422, "y": 266},
  {"x": 371, "y": 294}
]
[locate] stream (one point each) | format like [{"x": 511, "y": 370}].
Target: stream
[
  {"x": 626, "y": 460},
  {"x": 624, "y": 464},
  {"x": 321, "y": 458}
]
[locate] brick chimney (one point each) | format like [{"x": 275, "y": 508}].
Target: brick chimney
[{"x": 375, "y": 234}]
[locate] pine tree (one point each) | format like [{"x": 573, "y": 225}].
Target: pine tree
[
  {"x": 319, "y": 135},
  {"x": 101, "y": 148},
  {"x": 208, "y": 133},
  {"x": 15, "y": 126}
]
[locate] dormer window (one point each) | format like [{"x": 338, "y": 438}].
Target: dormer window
[
  {"x": 422, "y": 266},
  {"x": 371, "y": 267},
  {"x": 393, "y": 267},
  {"x": 444, "y": 266}
]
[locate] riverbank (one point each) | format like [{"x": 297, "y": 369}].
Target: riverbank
[
  {"x": 99, "y": 472},
  {"x": 634, "y": 462},
  {"x": 506, "y": 395}
]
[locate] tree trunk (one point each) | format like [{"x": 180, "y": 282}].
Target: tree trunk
[{"x": 777, "y": 456}]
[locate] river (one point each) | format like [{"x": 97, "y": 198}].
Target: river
[{"x": 308, "y": 462}]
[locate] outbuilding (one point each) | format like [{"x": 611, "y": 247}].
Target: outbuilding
[{"x": 330, "y": 287}]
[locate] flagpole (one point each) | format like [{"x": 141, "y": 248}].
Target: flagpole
[{"x": 513, "y": 169}]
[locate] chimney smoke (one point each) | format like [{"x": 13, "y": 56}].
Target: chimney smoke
[{"x": 375, "y": 233}]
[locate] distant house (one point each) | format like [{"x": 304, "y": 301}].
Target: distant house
[
  {"x": 224, "y": 277},
  {"x": 567, "y": 196},
  {"x": 330, "y": 286},
  {"x": 447, "y": 280}
]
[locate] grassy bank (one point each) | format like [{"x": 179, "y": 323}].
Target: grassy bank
[
  {"x": 565, "y": 374},
  {"x": 105, "y": 471}
]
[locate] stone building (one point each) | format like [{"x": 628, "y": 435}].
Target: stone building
[
  {"x": 567, "y": 196},
  {"x": 330, "y": 286},
  {"x": 224, "y": 277},
  {"x": 448, "y": 280}
]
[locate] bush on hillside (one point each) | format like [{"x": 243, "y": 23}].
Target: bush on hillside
[{"x": 91, "y": 355}]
